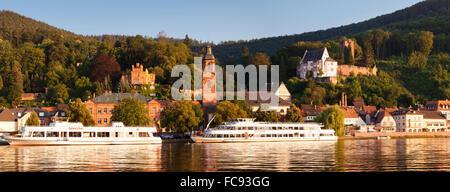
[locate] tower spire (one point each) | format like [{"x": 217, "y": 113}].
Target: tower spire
[{"x": 209, "y": 55}]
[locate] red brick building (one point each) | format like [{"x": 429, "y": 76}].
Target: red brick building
[{"x": 101, "y": 107}]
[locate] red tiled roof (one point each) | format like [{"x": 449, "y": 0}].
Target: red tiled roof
[{"x": 350, "y": 113}]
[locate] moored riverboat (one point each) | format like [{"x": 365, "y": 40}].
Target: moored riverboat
[
  {"x": 76, "y": 134},
  {"x": 246, "y": 130}
]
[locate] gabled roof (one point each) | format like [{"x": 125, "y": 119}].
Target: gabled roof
[
  {"x": 6, "y": 115},
  {"x": 350, "y": 113},
  {"x": 432, "y": 115},
  {"x": 313, "y": 55},
  {"x": 116, "y": 97}
]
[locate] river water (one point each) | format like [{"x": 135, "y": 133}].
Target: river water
[{"x": 423, "y": 154}]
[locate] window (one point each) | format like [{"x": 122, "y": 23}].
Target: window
[
  {"x": 105, "y": 120},
  {"x": 74, "y": 134},
  {"x": 154, "y": 110},
  {"x": 144, "y": 134},
  {"x": 38, "y": 134},
  {"x": 89, "y": 134},
  {"x": 105, "y": 110},
  {"x": 52, "y": 134},
  {"x": 110, "y": 110},
  {"x": 99, "y": 120},
  {"x": 102, "y": 134},
  {"x": 90, "y": 110},
  {"x": 41, "y": 114},
  {"x": 99, "y": 110}
]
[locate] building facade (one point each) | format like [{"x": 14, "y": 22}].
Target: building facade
[
  {"x": 318, "y": 65},
  {"x": 101, "y": 107},
  {"x": 139, "y": 76}
]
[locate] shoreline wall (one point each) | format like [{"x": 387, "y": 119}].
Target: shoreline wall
[{"x": 399, "y": 134}]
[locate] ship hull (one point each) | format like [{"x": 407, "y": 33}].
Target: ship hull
[
  {"x": 199, "y": 139},
  {"x": 60, "y": 142}
]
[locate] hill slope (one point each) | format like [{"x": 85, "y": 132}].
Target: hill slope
[
  {"x": 19, "y": 29},
  {"x": 430, "y": 15}
]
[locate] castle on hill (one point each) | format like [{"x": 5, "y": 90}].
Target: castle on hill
[{"x": 318, "y": 64}]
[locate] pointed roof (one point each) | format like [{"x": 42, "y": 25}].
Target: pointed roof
[
  {"x": 313, "y": 55},
  {"x": 209, "y": 55},
  {"x": 6, "y": 115}
]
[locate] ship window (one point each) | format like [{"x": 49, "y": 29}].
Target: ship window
[
  {"x": 232, "y": 135},
  {"x": 280, "y": 135},
  {"x": 250, "y": 128},
  {"x": 219, "y": 135},
  {"x": 102, "y": 134},
  {"x": 233, "y": 128},
  {"x": 274, "y": 128},
  {"x": 290, "y": 135},
  {"x": 38, "y": 134},
  {"x": 143, "y": 134},
  {"x": 301, "y": 128},
  {"x": 89, "y": 134},
  {"x": 302, "y": 135},
  {"x": 226, "y": 135},
  {"x": 238, "y": 135},
  {"x": 290, "y": 128},
  {"x": 52, "y": 134},
  {"x": 295, "y": 134},
  {"x": 280, "y": 128},
  {"x": 268, "y": 135},
  {"x": 274, "y": 135},
  {"x": 295, "y": 128},
  {"x": 285, "y": 135},
  {"x": 263, "y": 135},
  {"x": 74, "y": 134}
]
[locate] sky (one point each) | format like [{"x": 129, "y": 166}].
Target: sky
[{"x": 204, "y": 20}]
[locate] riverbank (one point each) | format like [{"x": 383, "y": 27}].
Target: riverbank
[{"x": 398, "y": 135}]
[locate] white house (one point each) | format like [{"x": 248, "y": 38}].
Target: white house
[{"x": 319, "y": 64}]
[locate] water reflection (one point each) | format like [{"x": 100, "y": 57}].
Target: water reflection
[{"x": 430, "y": 154}]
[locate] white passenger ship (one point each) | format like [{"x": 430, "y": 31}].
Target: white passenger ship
[
  {"x": 76, "y": 134},
  {"x": 246, "y": 130}
]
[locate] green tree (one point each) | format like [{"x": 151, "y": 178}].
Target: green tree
[
  {"x": 131, "y": 112},
  {"x": 182, "y": 116},
  {"x": 267, "y": 116},
  {"x": 58, "y": 94},
  {"x": 246, "y": 56},
  {"x": 33, "y": 120},
  {"x": 332, "y": 118},
  {"x": 79, "y": 113},
  {"x": 227, "y": 110},
  {"x": 15, "y": 89},
  {"x": 294, "y": 114},
  {"x": 261, "y": 59}
]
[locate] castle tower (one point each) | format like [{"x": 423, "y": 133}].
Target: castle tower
[
  {"x": 348, "y": 43},
  {"x": 209, "y": 99}
]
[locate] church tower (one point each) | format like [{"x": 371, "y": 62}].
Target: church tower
[{"x": 209, "y": 100}]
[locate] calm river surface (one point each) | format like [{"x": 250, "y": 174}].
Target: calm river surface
[{"x": 428, "y": 154}]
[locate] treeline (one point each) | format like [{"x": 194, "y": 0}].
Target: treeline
[
  {"x": 66, "y": 69},
  {"x": 429, "y": 15}
]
